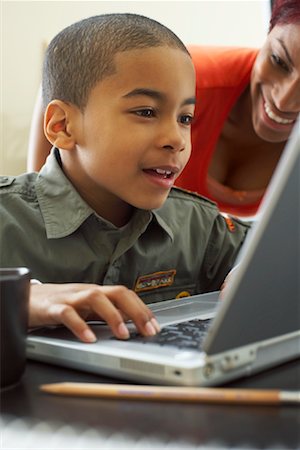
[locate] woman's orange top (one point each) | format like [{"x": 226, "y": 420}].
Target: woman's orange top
[{"x": 222, "y": 76}]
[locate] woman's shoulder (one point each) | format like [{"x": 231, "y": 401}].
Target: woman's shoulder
[
  {"x": 228, "y": 55},
  {"x": 222, "y": 66}
]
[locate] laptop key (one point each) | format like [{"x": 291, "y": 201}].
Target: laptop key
[{"x": 184, "y": 335}]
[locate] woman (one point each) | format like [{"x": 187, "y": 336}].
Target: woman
[{"x": 247, "y": 104}]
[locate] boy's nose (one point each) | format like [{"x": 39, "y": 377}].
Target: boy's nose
[
  {"x": 174, "y": 138},
  {"x": 286, "y": 96}
]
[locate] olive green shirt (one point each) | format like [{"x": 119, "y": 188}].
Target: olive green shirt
[{"x": 183, "y": 248}]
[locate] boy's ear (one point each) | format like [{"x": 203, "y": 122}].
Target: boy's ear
[{"x": 59, "y": 124}]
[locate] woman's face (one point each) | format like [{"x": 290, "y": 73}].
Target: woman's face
[{"x": 275, "y": 84}]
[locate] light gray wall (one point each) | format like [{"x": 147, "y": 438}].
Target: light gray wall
[{"x": 28, "y": 26}]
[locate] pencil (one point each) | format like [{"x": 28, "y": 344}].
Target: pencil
[{"x": 174, "y": 393}]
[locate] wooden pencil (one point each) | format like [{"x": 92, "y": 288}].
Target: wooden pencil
[{"x": 174, "y": 393}]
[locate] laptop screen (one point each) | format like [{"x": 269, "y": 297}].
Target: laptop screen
[{"x": 262, "y": 298}]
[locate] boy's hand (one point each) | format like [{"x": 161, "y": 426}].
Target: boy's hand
[
  {"x": 72, "y": 304},
  {"x": 227, "y": 280}
]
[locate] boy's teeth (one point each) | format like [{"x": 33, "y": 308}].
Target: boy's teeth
[
  {"x": 276, "y": 118},
  {"x": 163, "y": 172}
]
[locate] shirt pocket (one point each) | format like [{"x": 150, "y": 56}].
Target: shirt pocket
[{"x": 167, "y": 293}]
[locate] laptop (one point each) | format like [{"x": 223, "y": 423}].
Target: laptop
[{"x": 205, "y": 340}]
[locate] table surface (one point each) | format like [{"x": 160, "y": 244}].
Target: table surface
[{"x": 152, "y": 424}]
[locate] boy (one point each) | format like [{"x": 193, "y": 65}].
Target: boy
[{"x": 119, "y": 94}]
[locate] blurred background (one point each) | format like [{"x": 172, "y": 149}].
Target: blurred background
[{"x": 27, "y": 27}]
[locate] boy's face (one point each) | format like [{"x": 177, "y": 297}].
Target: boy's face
[{"x": 133, "y": 138}]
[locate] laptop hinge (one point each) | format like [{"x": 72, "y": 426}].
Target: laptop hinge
[{"x": 229, "y": 361}]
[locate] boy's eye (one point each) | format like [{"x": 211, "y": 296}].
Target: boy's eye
[
  {"x": 146, "y": 112},
  {"x": 279, "y": 62},
  {"x": 186, "y": 119}
]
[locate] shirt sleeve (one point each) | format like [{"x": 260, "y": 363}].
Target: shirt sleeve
[{"x": 34, "y": 281}]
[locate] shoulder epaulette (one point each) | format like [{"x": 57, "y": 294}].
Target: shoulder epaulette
[
  {"x": 186, "y": 192},
  {"x": 6, "y": 181}
]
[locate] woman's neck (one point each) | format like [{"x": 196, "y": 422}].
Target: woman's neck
[{"x": 238, "y": 126}]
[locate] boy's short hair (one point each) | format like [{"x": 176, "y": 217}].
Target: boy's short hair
[{"x": 83, "y": 54}]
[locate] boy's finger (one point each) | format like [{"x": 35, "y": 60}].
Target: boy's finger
[
  {"x": 133, "y": 307},
  {"x": 100, "y": 305},
  {"x": 66, "y": 314}
]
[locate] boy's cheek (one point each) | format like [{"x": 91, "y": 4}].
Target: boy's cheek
[{"x": 187, "y": 155}]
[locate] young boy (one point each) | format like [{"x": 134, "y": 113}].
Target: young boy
[{"x": 101, "y": 224}]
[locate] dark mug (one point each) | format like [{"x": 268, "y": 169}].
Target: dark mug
[{"x": 14, "y": 300}]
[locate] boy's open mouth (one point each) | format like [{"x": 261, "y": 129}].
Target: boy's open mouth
[{"x": 161, "y": 173}]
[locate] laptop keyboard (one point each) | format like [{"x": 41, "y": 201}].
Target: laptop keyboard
[{"x": 185, "y": 335}]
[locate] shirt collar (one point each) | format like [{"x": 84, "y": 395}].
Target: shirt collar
[
  {"x": 161, "y": 217},
  {"x": 63, "y": 209}
]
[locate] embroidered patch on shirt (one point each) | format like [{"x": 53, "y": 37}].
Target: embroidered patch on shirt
[
  {"x": 230, "y": 224},
  {"x": 155, "y": 280},
  {"x": 183, "y": 294}
]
